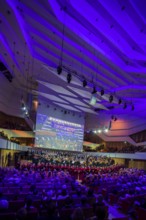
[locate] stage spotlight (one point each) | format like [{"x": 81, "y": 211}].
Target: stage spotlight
[
  {"x": 94, "y": 90},
  {"x": 132, "y": 108},
  {"x": 99, "y": 131},
  {"x": 26, "y": 112},
  {"x": 84, "y": 83},
  {"x": 106, "y": 130},
  {"x": 23, "y": 106},
  {"x": 111, "y": 98},
  {"x": 120, "y": 101},
  {"x": 69, "y": 77},
  {"x": 102, "y": 92},
  {"x": 59, "y": 70},
  {"x": 125, "y": 106}
]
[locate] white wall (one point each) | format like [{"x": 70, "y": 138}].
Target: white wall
[{"x": 58, "y": 113}]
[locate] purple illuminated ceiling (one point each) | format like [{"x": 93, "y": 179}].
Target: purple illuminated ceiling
[{"x": 103, "y": 42}]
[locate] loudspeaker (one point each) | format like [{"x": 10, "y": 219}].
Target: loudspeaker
[{"x": 2, "y": 67}]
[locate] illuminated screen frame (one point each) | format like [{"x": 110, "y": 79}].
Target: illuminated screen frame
[{"x": 58, "y": 134}]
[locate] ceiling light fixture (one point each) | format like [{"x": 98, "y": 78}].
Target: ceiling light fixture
[
  {"x": 84, "y": 83},
  {"x": 120, "y": 101},
  {"x": 59, "y": 69},
  {"x": 111, "y": 98},
  {"x": 94, "y": 90},
  {"x": 106, "y": 130},
  {"x": 69, "y": 77},
  {"x": 102, "y": 92},
  {"x": 23, "y": 107}
]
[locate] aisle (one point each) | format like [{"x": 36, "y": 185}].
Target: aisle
[{"x": 114, "y": 212}]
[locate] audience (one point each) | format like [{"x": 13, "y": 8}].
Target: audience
[
  {"x": 78, "y": 214},
  {"x": 126, "y": 149},
  {"x": 47, "y": 189},
  {"x": 4, "y": 204}
]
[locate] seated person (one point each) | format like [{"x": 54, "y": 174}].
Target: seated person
[
  {"x": 68, "y": 202},
  {"x": 78, "y": 214},
  {"x": 84, "y": 201},
  {"x": 90, "y": 193},
  {"x": 101, "y": 212},
  {"x": 50, "y": 214},
  {"x": 63, "y": 194},
  {"x": 100, "y": 201},
  {"x": 4, "y": 204},
  {"x": 28, "y": 207},
  {"x": 99, "y": 206}
]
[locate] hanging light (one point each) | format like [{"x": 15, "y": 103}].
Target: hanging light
[
  {"x": 120, "y": 101},
  {"x": 94, "y": 90},
  {"x": 84, "y": 83},
  {"x": 59, "y": 69},
  {"x": 132, "y": 108},
  {"x": 111, "y": 98},
  {"x": 69, "y": 77},
  {"x": 102, "y": 92},
  {"x": 23, "y": 107},
  {"x": 106, "y": 130}
]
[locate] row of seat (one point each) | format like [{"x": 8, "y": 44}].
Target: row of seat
[{"x": 65, "y": 215}]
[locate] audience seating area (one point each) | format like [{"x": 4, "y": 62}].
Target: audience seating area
[
  {"x": 126, "y": 149},
  {"x": 38, "y": 193},
  {"x": 18, "y": 187}
]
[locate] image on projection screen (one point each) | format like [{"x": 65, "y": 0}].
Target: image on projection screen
[{"x": 58, "y": 134}]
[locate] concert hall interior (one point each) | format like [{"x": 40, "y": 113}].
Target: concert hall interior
[{"x": 73, "y": 109}]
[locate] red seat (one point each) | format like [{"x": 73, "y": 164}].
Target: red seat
[
  {"x": 124, "y": 205},
  {"x": 121, "y": 218},
  {"x": 88, "y": 212},
  {"x": 112, "y": 199},
  {"x": 37, "y": 203},
  {"x": 92, "y": 201},
  {"x": 104, "y": 193},
  {"x": 60, "y": 203},
  {"x": 141, "y": 214},
  {"x": 8, "y": 216},
  {"x": 16, "y": 205},
  {"x": 32, "y": 215},
  {"x": 65, "y": 214}
]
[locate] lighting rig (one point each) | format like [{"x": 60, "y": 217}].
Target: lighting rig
[{"x": 85, "y": 83}]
